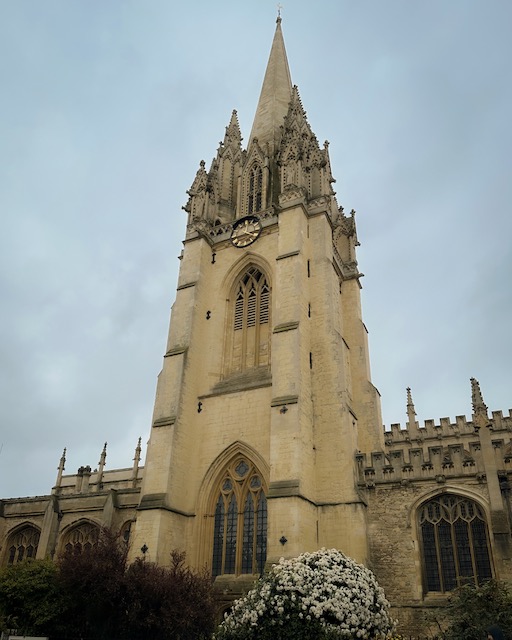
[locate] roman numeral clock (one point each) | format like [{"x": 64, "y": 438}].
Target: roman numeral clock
[{"x": 245, "y": 231}]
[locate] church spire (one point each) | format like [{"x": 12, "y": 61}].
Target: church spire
[{"x": 275, "y": 95}]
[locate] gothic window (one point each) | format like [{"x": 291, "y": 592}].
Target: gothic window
[
  {"x": 82, "y": 538},
  {"x": 23, "y": 545},
  {"x": 455, "y": 543},
  {"x": 250, "y": 337},
  {"x": 126, "y": 531},
  {"x": 255, "y": 194},
  {"x": 240, "y": 522}
]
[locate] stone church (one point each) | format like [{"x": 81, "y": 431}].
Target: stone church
[{"x": 266, "y": 438}]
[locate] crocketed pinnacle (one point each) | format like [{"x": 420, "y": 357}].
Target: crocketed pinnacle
[
  {"x": 410, "y": 404},
  {"x": 479, "y": 407},
  {"x": 138, "y": 449},
  {"x": 275, "y": 95},
  {"x": 232, "y": 137},
  {"x": 103, "y": 456},
  {"x": 411, "y": 414}
]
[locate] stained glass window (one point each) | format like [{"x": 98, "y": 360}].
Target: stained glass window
[
  {"x": 455, "y": 543},
  {"x": 23, "y": 544},
  {"x": 240, "y": 522},
  {"x": 83, "y": 537}
]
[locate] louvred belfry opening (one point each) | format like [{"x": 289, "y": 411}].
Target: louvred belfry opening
[
  {"x": 255, "y": 190},
  {"x": 250, "y": 332}
]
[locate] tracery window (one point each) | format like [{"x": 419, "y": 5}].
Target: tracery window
[
  {"x": 23, "y": 545},
  {"x": 255, "y": 194},
  {"x": 455, "y": 543},
  {"x": 240, "y": 522},
  {"x": 83, "y": 537},
  {"x": 250, "y": 346}
]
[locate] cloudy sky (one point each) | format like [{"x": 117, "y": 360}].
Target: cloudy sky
[{"x": 107, "y": 108}]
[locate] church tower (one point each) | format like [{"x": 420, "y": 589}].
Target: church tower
[{"x": 265, "y": 394}]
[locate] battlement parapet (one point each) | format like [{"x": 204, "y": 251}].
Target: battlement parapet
[{"x": 445, "y": 429}]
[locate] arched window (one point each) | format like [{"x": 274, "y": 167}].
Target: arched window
[
  {"x": 126, "y": 531},
  {"x": 250, "y": 341},
  {"x": 23, "y": 544},
  {"x": 455, "y": 543},
  {"x": 255, "y": 194},
  {"x": 240, "y": 522},
  {"x": 83, "y": 537}
]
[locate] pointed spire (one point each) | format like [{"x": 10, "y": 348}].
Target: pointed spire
[
  {"x": 479, "y": 407},
  {"x": 275, "y": 95}
]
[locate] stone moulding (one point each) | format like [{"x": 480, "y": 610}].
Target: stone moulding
[
  {"x": 291, "y": 254},
  {"x": 157, "y": 501},
  {"x": 167, "y": 421},
  {"x": 176, "y": 351},
  {"x": 285, "y": 326},
  {"x": 279, "y": 402},
  {"x": 187, "y": 285},
  {"x": 284, "y": 488}
]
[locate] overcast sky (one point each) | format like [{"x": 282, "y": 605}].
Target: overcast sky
[{"x": 106, "y": 109}]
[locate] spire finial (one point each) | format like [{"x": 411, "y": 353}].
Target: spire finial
[
  {"x": 279, "y": 7},
  {"x": 479, "y": 407}
]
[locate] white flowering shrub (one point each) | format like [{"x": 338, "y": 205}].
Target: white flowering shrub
[{"x": 317, "y": 596}]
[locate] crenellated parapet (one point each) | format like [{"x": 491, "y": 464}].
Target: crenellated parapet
[
  {"x": 444, "y": 429},
  {"x": 440, "y": 451}
]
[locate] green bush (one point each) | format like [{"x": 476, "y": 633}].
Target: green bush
[
  {"x": 472, "y": 610},
  {"x": 31, "y": 599}
]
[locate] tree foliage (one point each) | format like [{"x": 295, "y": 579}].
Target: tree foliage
[
  {"x": 93, "y": 581},
  {"x": 96, "y": 594},
  {"x": 31, "y": 597},
  {"x": 168, "y": 602},
  {"x": 472, "y": 610}
]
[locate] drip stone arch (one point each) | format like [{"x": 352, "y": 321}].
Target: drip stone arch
[
  {"x": 247, "y": 334},
  {"x": 81, "y": 534},
  {"x": 450, "y": 531},
  {"x": 21, "y": 543},
  {"x": 451, "y": 489},
  {"x": 232, "y": 504},
  {"x": 247, "y": 259}
]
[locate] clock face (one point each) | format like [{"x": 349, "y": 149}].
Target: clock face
[{"x": 245, "y": 231}]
